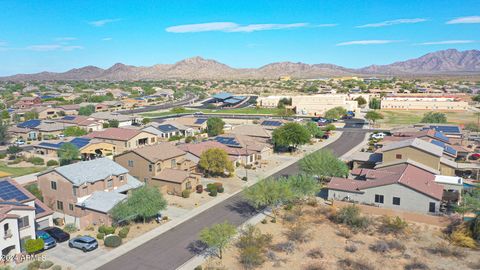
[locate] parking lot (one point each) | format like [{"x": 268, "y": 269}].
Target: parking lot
[{"x": 72, "y": 257}]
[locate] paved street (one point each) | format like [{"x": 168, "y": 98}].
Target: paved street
[{"x": 175, "y": 247}]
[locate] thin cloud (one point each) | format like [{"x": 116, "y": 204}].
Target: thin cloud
[
  {"x": 392, "y": 22},
  {"x": 52, "y": 47},
  {"x": 230, "y": 27},
  {"x": 366, "y": 42},
  {"x": 444, "y": 42},
  {"x": 103, "y": 22},
  {"x": 106, "y": 39},
  {"x": 325, "y": 25},
  {"x": 463, "y": 20}
]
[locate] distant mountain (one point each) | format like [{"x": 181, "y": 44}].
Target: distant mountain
[{"x": 447, "y": 62}]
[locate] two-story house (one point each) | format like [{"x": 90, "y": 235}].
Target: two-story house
[
  {"x": 124, "y": 139},
  {"x": 20, "y": 215},
  {"x": 27, "y": 102},
  {"x": 162, "y": 165},
  {"x": 85, "y": 192}
]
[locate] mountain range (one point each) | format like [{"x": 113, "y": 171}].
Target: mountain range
[{"x": 446, "y": 62}]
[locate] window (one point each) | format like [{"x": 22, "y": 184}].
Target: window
[
  {"x": 109, "y": 183},
  {"x": 70, "y": 207},
  {"x": 53, "y": 185},
  {"x": 74, "y": 191},
  {"x": 378, "y": 198},
  {"x": 150, "y": 167},
  {"x": 431, "y": 207},
  {"x": 398, "y": 156},
  {"x": 60, "y": 205},
  {"x": 396, "y": 201},
  {"x": 121, "y": 178},
  {"x": 130, "y": 163},
  {"x": 23, "y": 222}
]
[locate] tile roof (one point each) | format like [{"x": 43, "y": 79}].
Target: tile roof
[
  {"x": 161, "y": 151},
  {"x": 251, "y": 130},
  {"x": 89, "y": 171},
  {"x": 102, "y": 201},
  {"x": 118, "y": 134},
  {"x": 416, "y": 143},
  {"x": 172, "y": 175}
]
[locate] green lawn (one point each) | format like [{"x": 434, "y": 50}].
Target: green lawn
[
  {"x": 266, "y": 111},
  {"x": 19, "y": 171},
  {"x": 395, "y": 118}
]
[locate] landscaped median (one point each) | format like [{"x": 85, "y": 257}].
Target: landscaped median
[{"x": 249, "y": 110}]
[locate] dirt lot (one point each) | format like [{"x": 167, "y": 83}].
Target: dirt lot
[{"x": 330, "y": 241}]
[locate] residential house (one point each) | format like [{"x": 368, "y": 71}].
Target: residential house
[
  {"x": 70, "y": 109},
  {"x": 47, "y": 112},
  {"x": 255, "y": 131},
  {"x": 84, "y": 192},
  {"x": 123, "y": 120},
  {"x": 255, "y": 148},
  {"x": 163, "y": 165},
  {"x": 21, "y": 214},
  {"x": 86, "y": 123},
  {"x": 123, "y": 138},
  {"x": 197, "y": 124},
  {"x": 237, "y": 156},
  {"x": 27, "y": 102},
  {"x": 401, "y": 186},
  {"x": 88, "y": 148}
]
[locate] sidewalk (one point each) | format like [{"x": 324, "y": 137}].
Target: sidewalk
[{"x": 132, "y": 244}]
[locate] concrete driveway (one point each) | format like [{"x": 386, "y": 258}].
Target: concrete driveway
[{"x": 72, "y": 257}]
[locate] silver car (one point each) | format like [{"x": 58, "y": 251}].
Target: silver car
[{"x": 85, "y": 243}]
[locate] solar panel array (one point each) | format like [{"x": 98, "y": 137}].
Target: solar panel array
[
  {"x": 69, "y": 118},
  {"x": 38, "y": 209},
  {"x": 167, "y": 128},
  {"x": 79, "y": 142},
  {"x": 446, "y": 148},
  {"x": 29, "y": 124},
  {"x": 200, "y": 121},
  {"x": 446, "y": 129},
  {"x": 227, "y": 141},
  {"x": 11, "y": 192},
  {"x": 441, "y": 136},
  {"x": 271, "y": 123}
]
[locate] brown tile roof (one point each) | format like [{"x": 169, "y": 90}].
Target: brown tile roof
[
  {"x": 118, "y": 134},
  {"x": 197, "y": 149},
  {"x": 161, "y": 151},
  {"x": 251, "y": 130},
  {"x": 172, "y": 175}
]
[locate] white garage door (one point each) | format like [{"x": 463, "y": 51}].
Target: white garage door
[{"x": 42, "y": 224}]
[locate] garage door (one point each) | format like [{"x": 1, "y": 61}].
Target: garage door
[{"x": 42, "y": 224}]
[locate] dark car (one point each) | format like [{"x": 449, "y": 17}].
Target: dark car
[
  {"x": 85, "y": 243},
  {"x": 48, "y": 241},
  {"x": 57, "y": 234}
]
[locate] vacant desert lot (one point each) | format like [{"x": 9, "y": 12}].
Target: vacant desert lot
[
  {"x": 327, "y": 244},
  {"x": 398, "y": 118}
]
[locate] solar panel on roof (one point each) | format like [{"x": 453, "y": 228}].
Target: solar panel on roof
[
  {"x": 200, "y": 121},
  {"x": 69, "y": 118},
  {"x": 446, "y": 129},
  {"x": 80, "y": 142},
  {"x": 227, "y": 141},
  {"x": 441, "y": 136},
  {"x": 38, "y": 209},
  {"x": 29, "y": 124},
  {"x": 272, "y": 123},
  {"x": 446, "y": 148},
  {"x": 11, "y": 192},
  {"x": 166, "y": 128}
]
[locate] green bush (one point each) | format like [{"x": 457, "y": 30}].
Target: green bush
[
  {"x": 70, "y": 228},
  {"x": 350, "y": 215},
  {"x": 394, "y": 225},
  {"x": 220, "y": 189},
  {"x": 52, "y": 162},
  {"x": 211, "y": 187},
  {"x": 112, "y": 241},
  {"x": 46, "y": 264},
  {"x": 56, "y": 267},
  {"x": 123, "y": 232},
  {"x": 36, "y": 160},
  {"x": 3, "y": 155},
  {"x": 199, "y": 267},
  {"x": 5, "y": 268},
  {"x": 34, "y": 245},
  {"x": 106, "y": 230},
  {"x": 100, "y": 236},
  {"x": 186, "y": 193},
  {"x": 213, "y": 192},
  {"x": 34, "y": 265}
]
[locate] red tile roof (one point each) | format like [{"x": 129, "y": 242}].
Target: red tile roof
[{"x": 118, "y": 134}]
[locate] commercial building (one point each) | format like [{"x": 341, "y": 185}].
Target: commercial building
[{"x": 423, "y": 102}]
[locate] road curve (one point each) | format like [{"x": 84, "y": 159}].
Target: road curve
[{"x": 173, "y": 248}]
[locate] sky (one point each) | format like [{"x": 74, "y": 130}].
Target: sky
[{"x": 56, "y": 36}]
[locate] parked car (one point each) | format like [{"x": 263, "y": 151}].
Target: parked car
[
  {"x": 378, "y": 136},
  {"x": 48, "y": 241},
  {"x": 474, "y": 156},
  {"x": 19, "y": 142},
  {"x": 85, "y": 243},
  {"x": 58, "y": 234}
]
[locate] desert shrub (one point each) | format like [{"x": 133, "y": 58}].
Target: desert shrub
[
  {"x": 123, "y": 232},
  {"x": 186, "y": 193},
  {"x": 34, "y": 265},
  {"x": 199, "y": 188},
  {"x": 351, "y": 248},
  {"x": 445, "y": 250},
  {"x": 52, "y": 162},
  {"x": 253, "y": 245},
  {"x": 315, "y": 253},
  {"x": 46, "y": 264},
  {"x": 34, "y": 245},
  {"x": 100, "y": 236},
  {"x": 198, "y": 267},
  {"x": 264, "y": 221},
  {"x": 315, "y": 266},
  {"x": 211, "y": 187},
  {"x": 289, "y": 218},
  {"x": 288, "y": 206},
  {"x": 312, "y": 202},
  {"x": 462, "y": 238},
  {"x": 106, "y": 229},
  {"x": 70, "y": 228},
  {"x": 299, "y": 233},
  {"x": 350, "y": 215},
  {"x": 344, "y": 232},
  {"x": 90, "y": 228},
  {"x": 416, "y": 265},
  {"x": 394, "y": 225},
  {"x": 287, "y": 247},
  {"x": 36, "y": 160},
  {"x": 213, "y": 193},
  {"x": 379, "y": 246},
  {"x": 112, "y": 241},
  {"x": 244, "y": 178},
  {"x": 351, "y": 264},
  {"x": 57, "y": 267}
]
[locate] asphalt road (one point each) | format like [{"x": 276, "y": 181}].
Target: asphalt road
[{"x": 173, "y": 248}]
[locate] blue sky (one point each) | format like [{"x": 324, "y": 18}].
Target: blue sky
[{"x": 60, "y": 35}]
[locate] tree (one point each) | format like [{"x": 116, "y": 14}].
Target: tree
[
  {"x": 470, "y": 202},
  {"x": 290, "y": 135},
  {"x": 269, "y": 193},
  {"x": 373, "y": 116},
  {"x": 253, "y": 246},
  {"x": 476, "y": 98},
  {"x": 86, "y": 110},
  {"x": 113, "y": 123},
  {"x": 3, "y": 133},
  {"x": 283, "y": 102},
  {"x": 14, "y": 150},
  {"x": 215, "y": 126},
  {"x": 434, "y": 117},
  {"x": 67, "y": 153},
  {"x": 303, "y": 185},
  {"x": 374, "y": 104},
  {"x": 74, "y": 131},
  {"x": 361, "y": 101},
  {"x": 323, "y": 164},
  {"x": 215, "y": 161},
  {"x": 146, "y": 121},
  {"x": 218, "y": 236},
  {"x": 30, "y": 115},
  {"x": 335, "y": 113},
  {"x": 314, "y": 130},
  {"x": 5, "y": 114},
  {"x": 144, "y": 203}
]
